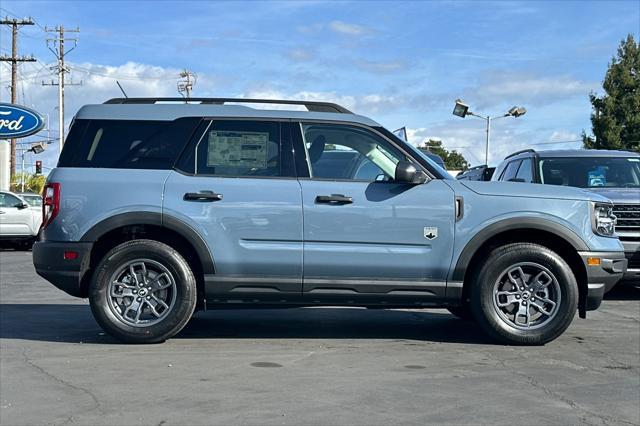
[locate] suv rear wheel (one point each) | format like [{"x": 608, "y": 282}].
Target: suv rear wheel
[
  {"x": 143, "y": 291},
  {"x": 524, "y": 294}
]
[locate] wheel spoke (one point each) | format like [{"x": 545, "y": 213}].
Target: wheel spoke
[
  {"x": 153, "y": 304},
  {"x": 156, "y": 285},
  {"x": 159, "y": 302},
  {"x": 541, "y": 307},
  {"x": 513, "y": 279},
  {"x": 510, "y": 297},
  {"x": 523, "y": 311},
  {"x": 121, "y": 291},
  {"x": 537, "y": 282}
]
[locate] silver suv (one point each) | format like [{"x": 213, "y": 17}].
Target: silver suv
[{"x": 158, "y": 208}]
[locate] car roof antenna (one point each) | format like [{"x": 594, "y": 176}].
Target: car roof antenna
[{"x": 121, "y": 89}]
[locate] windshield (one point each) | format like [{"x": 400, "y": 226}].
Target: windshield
[
  {"x": 33, "y": 200},
  {"x": 591, "y": 172}
]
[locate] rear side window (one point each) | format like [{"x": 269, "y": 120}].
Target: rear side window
[
  {"x": 239, "y": 148},
  {"x": 126, "y": 144}
]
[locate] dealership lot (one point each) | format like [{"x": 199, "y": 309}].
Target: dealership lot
[{"x": 307, "y": 366}]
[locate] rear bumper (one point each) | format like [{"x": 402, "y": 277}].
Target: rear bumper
[
  {"x": 49, "y": 261},
  {"x": 601, "y": 278}
]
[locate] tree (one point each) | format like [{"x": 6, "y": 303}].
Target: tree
[
  {"x": 32, "y": 182},
  {"x": 615, "y": 119},
  {"x": 453, "y": 160}
]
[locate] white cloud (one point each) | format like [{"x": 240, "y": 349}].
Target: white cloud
[
  {"x": 300, "y": 54},
  {"x": 341, "y": 27},
  {"x": 336, "y": 27},
  {"x": 381, "y": 67},
  {"x": 499, "y": 87}
]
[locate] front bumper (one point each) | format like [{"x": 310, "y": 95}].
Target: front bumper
[
  {"x": 632, "y": 253},
  {"x": 602, "y": 277},
  {"x": 66, "y": 274}
]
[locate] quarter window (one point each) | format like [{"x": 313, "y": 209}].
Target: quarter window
[
  {"x": 344, "y": 152},
  {"x": 511, "y": 170},
  {"x": 525, "y": 171}
]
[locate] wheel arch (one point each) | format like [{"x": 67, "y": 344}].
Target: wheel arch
[
  {"x": 171, "y": 231},
  {"x": 555, "y": 237}
]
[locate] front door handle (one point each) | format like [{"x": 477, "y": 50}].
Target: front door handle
[
  {"x": 204, "y": 196},
  {"x": 334, "y": 199}
]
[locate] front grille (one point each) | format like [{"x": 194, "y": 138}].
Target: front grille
[
  {"x": 628, "y": 226},
  {"x": 634, "y": 260}
]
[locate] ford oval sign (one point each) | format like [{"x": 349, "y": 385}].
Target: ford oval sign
[{"x": 17, "y": 121}]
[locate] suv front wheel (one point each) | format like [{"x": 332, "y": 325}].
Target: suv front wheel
[
  {"x": 143, "y": 291},
  {"x": 524, "y": 294}
]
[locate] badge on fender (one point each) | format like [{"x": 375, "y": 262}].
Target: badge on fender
[{"x": 430, "y": 233}]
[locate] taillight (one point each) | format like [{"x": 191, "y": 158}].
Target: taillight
[{"x": 50, "y": 203}]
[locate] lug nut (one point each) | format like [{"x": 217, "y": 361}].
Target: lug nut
[
  {"x": 148, "y": 297},
  {"x": 517, "y": 296},
  {"x": 139, "y": 299},
  {"x": 135, "y": 291},
  {"x": 533, "y": 299},
  {"x": 521, "y": 288}
]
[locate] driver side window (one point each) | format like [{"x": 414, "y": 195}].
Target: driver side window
[{"x": 343, "y": 152}]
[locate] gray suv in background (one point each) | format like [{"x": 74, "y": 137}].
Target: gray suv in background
[
  {"x": 159, "y": 207},
  {"x": 613, "y": 174}
]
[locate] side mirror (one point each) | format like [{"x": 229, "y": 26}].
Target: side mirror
[
  {"x": 407, "y": 173},
  {"x": 21, "y": 206}
]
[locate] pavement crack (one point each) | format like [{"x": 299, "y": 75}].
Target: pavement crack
[
  {"x": 585, "y": 419},
  {"x": 70, "y": 419}
]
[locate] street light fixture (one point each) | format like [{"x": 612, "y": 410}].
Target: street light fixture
[
  {"x": 36, "y": 148},
  {"x": 462, "y": 110}
]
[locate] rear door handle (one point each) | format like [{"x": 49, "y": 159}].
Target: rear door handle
[
  {"x": 334, "y": 199},
  {"x": 204, "y": 196}
]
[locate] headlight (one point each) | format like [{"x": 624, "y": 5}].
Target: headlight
[{"x": 603, "y": 220}]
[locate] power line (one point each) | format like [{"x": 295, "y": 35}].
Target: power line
[{"x": 58, "y": 49}]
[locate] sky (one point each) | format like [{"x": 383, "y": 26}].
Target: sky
[{"x": 402, "y": 63}]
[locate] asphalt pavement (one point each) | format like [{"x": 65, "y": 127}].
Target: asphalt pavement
[{"x": 308, "y": 366}]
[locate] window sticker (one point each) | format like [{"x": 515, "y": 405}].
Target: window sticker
[
  {"x": 237, "y": 149},
  {"x": 597, "y": 176}
]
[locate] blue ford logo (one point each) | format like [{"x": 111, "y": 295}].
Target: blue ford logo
[{"x": 17, "y": 121}]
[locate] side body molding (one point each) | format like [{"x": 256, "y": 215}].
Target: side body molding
[
  {"x": 156, "y": 219},
  {"x": 512, "y": 224}
]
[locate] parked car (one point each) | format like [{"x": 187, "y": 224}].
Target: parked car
[
  {"x": 482, "y": 173},
  {"x": 613, "y": 174},
  {"x": 157, "y": 209},
  {"x": 19, "y": 224},
  {"x": 34, "y": 200}
]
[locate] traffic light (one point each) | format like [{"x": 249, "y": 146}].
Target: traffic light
[{"x": 38, "y": 167}]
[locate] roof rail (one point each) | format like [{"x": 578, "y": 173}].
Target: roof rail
[
  {"x": 312, "y": 106},
  {"x": 519, "y": 152}
]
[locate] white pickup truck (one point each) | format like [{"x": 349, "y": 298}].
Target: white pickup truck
[{"x": 19, "y": 220}]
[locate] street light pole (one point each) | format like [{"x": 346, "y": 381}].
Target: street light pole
[{"x": 462, "y": 110}]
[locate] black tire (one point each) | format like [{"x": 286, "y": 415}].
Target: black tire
[
  {"x": 176, "y": 316},
  {"x": 463, "y": 312},
  {"x": 490, "y": 271}
]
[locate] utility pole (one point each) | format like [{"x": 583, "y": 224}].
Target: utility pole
[
  {"x": 14, "y": 59},
  {"x": 60, "y": 53},
  {"x": 188, "y": 79}
]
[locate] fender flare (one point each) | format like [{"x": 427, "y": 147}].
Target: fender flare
[
  {"x": 156, "y": 219},
  {"x": 512, "y": 224}
]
